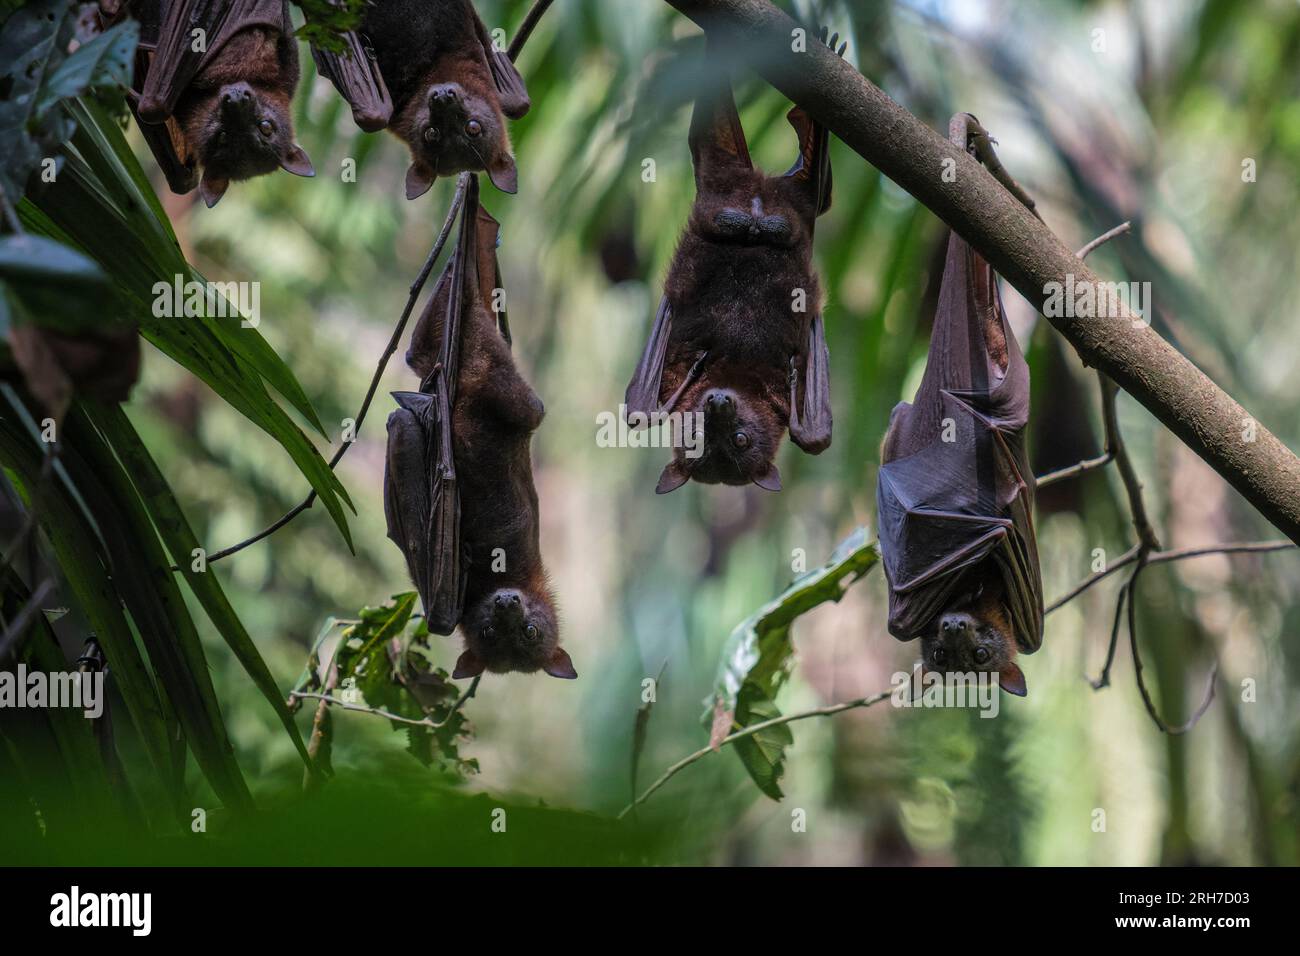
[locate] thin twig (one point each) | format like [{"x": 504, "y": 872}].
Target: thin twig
[
  {"x": 1119, "y": 451},
  {"x": 18, "y": 626},
  {"x": 417, "y": 286},
  {"x": 330, "y": 701},
  {"x": 1105, "y": 237},
  {"x": 1161, "y": 557},
  {"x": 748, "y": 732},
  {"x": 1072, "y": 471}
]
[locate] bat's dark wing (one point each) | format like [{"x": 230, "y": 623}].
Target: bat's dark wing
[
  {"x": 355, "y": 74},
  {"x": 955, "y": 487},
  {"x": 512, "y": 94},
  {"x": 814, "y": 163},
  {"x": 810, "y": 391},
  {"x": 180, "y": 52},
  {"x": 643, "y": 391}
]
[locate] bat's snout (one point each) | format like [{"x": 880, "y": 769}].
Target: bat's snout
[
  {"x": 237, "y": 100},
  {"x": 720, "y": 405},
  {"x": 508, "y": 607},
  {"x": 956, "y": 625}
]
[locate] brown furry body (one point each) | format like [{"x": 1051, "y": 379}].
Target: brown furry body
[{"x": 509, "y": 621}]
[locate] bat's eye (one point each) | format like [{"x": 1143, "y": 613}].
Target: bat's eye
[
  {"x": 473, "y": 127},
  {"x": 489, "y": 632},
  {"x": 431, "y": 134},
  {"x": 740, "y": 440},
  {"x": 939, "y": 656},
  {"x": 530, "y": 632},
  {"x": 981, "y": 655},
  {"x": 266, "y": 127},
  {"x": 221, "y": 138}
]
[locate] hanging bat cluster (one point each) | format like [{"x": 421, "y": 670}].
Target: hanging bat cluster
[
  {"x": 213, "y": 86},
  {"x": 458, "y": 484},
  {"x": 955, "y": 493},
  {"x": 428, "y": 71},
  {"x": 738, "y": 341}
]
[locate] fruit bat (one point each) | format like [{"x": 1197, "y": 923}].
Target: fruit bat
[
  {"x": 458, "y": 486},
  {"x": 738, "y": 341},
  {"x": 955, "y": 493},
  {"x": 213, "y": 86},
  {"x": 427, "y": 70}
]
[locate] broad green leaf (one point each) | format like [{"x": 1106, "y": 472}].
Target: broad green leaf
[
  {"x": 104, "y": 61},
  {"x": 144, "y": 579},
  {"x": 181, "y": 542},
  {"x": 32, "y": 42},
  {"x": 77, "y": 549},
  {"x": 763, "y": 753},
  {"x": 59, "y": 286},
  {"x": 756, "y": 659}
]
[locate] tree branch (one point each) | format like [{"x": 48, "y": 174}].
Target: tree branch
[
  {"x": 750, "y": 731},
  {"x": 1020, "y": 247}
]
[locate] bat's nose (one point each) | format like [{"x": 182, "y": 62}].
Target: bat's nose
[
  {"x": 236, "y": 93},
  {"x": 719, "y": 400},
  {"x": 956, "y": 624},
  {"x": 444, "y": 94},
  {"x": 505, "y": 599}
]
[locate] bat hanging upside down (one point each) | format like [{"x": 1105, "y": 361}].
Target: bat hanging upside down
[
  {"x": 429, "y": 72},
  {"x": 738, "y": 341},
  {"x": 215, "y": 82},
  {"x": 461, "y": 503},
  {"x": 955, "y": 494}
]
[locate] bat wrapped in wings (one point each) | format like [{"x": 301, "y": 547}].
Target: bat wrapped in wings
[
  {"x": 955, "y": 494},
  {"x": 738, "y": 341},
  {"x": 213, "y": 84},
  {"x": 458, "y": 485},
  {"x": 428, "y": 71}
]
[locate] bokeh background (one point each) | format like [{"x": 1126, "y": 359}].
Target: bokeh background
[{"x": 1105, "y": 111}]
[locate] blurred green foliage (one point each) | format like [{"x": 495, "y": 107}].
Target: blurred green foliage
[{"x": 1155, "y": 126}]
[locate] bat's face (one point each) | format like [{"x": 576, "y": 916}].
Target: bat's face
[
  {"x": 975, "y": 635},
  {"x": 453, "y": 128},
  {"x": 747, "y": 208},
  {"x": 240, "y": 132},
  {"x": 513, "y": 630},
  {"x": 743, "y": 428}
]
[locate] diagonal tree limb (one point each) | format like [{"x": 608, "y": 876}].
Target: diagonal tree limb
[{"x": 1020, "y": 247}]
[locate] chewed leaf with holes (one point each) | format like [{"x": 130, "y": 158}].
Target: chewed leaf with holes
[
  {"x": 757, "y": 658},
  {"x": 384, "y": 663}
]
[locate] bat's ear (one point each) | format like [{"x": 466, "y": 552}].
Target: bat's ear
[
  {"x": 296, "y": 161},
  {"x": 1012, "y": 679},
  {"x": 770, "y": 479},
  {"x": 212, "y": 190},
  {"x": 468, "y": 665},
  {"x": 418, "y": 180},
  {"x": 413, "y": 401},
  {"x": 560, "y": 665},
  {"x": 672, "y": 477},
  {"x": 504, "y": 174}
]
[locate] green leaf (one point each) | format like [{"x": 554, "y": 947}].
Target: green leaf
[
  {"x": 104, "y": 61},
  {"x": 78, "y": 551},
  {"x": 757, "y": 658},
  {"x": 116, "y": 227},
  {"x": 181, "y": 542},
  {"x": 144, "y": 578},
  {"x": 763, "y": 753},
  {"x": 31, "y": 44},
  {"x": 59, "y": 286}
]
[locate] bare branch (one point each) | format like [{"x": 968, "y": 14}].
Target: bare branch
[{"x": 748, "y": 732}]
